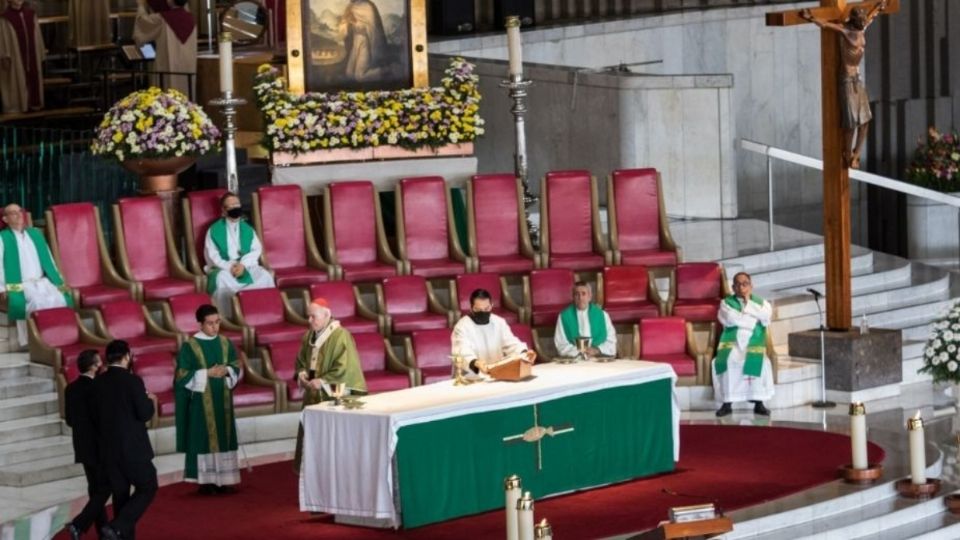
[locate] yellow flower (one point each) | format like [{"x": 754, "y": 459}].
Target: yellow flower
[{"x": 117, "y": 137}]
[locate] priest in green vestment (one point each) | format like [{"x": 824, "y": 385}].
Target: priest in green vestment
[
  {"x": 583, "y": 318},
  {"x": 207, "y": 372},
  {"x": 328, "y": 355}
]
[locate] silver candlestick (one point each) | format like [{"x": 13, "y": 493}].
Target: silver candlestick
[
  {"x": 517, "y": 87},
  {"x": 228, "y": 107}
]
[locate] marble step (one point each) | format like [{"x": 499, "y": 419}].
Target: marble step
[
  {"x": 945, "y": 526},
  {"x": 769, "y": 261},
  {"x": 40, "y": 471},
  {"x": 809, "y": 272},
  {"x": 798, "y": 384},
  {"x": 35, "y": 449},
  {"x": 894, "y": 275},
  {"x": 887, "y": 515},
  {"x": 25, "y": 429},
  {"x": 25, "y": 369},
  {"x": 25, "y": 386},
  {"x": 28, "y": 406}
]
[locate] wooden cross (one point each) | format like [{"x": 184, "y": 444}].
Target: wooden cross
[{"x": 836, "y": 176}]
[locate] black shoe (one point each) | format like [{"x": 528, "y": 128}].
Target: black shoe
[
  {"x": 724, "y": 410},
  {"x": 109, "y": 533},
  {"x": 223, "y": 490},
  {"x": 758, "y": 408},
  {"x": 207, "y": 489},
  {"x": 74, "y": 531}
]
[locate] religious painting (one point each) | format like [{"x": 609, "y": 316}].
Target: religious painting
[{"x": 335, "y": 45}]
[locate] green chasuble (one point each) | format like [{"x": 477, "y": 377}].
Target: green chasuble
[
  {"x": 16, "y": 300},
  {"x": 756, "y": 347},
  {"x": 218, "y": 233},
  {"x": 205, "y": 421},
  {"x": 571, "y": 328}
]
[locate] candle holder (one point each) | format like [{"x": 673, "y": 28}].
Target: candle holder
[
  {"x": 871, "y": 474},
  {"x": 952, "y": 502},
  {"x": 543, "y": 530},
  {"x": 458, "y": 378},
  {"x": 517, "y": 86},
  {"x": 906, "y": 488},
  {"x": 228, "y": 105}
]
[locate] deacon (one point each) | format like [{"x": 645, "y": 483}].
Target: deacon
[
  {"x": 207, "y": 372},
  {"x": 29, "y": 275},
  {"x": 174, "y": 31},
  {"x": 328, "y": 355},
  {"x": 741, "y": 370},
  {"x": 21, "y": 58},
  {"x": 482, "y": 337},
  {"x": 233, "y": 253},
  {"x": 583, "y": 318}
]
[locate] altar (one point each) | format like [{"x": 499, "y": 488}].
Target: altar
[{"x": 437, "y": 452}]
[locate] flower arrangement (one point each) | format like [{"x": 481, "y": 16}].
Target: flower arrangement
[
  {"x": 153, "y": 124},
  {"x": 941, "y": 356},
  {"x": 412, "y": 118},
  {"x": 936, "y": 163}
]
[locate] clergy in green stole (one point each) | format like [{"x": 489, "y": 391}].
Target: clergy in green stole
[
  {"x": 12, "y": 271},
  {"x": 327, "y": 355},
  {"x": 603, "y": 337},
  {"x": 207, "y": 371}
]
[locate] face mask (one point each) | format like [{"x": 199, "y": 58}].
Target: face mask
[
  {"x": 480, "y": 317},
  {"x": 235, "y": 213}
]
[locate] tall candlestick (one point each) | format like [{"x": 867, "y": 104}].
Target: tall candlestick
[
  {"x": 525, "y": 516},
  {"x": 918, "y": 459},
  {"x": 513, "y": 47},
  {"x": 858, "y": 435},
  {"x": 511, "y": 487},
  {"x": 226, "y": 63},
  {"x": 543, "y": 531}
]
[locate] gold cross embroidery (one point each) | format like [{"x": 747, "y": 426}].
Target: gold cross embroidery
[{"x": 536, "y": 433}]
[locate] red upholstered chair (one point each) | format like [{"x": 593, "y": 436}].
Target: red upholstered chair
[
  {"x": 425, "y": 232},
  {"x": 269, "y": 314},
  {"x": 76, "y": 237},
  {"x": 279, "y": 363},
  {"x": 346, "y": 306},
  {"x": 670, "y": 340},
  {"x": 547, "y": 292},
  {"x": 382, "y": 371},
  {"x": 497, "y": 226},
  {"x": 200, "y": 209},
  {"x": 529, "y": 336},
  {"x": 180, "y": 315},
  {"x": 282, "y": 221},
  {"x": 503, "y": 305},
  {"x": 131, "y": 322},
  {"x": 570, "y": 230},
  {"x": 627, "y": 293},
  {"x": 410, "y": 304},
  {"x": 697, "y": 290},
  {"x": 157, "y": 371},
  {"x": 639, "y": 231},
  {"x": 148, "y": 254},
  {"x": 353, "y": 229},
  {"x": 429, "y": 351}
]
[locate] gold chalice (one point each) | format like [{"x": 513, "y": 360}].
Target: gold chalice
[
  {"x": 336, "y": 392},
  {"x": 583, "y": 343}
]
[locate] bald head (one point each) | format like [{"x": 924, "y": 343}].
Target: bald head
[
  {"x": 318, "y": 316},
  {"x": 13, "y": 216}
]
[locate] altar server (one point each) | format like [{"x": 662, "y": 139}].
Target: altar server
[{"x": 482, "y": 337}]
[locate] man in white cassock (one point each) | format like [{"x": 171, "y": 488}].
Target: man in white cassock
[
  {"x": 482, "y": 338},
  {"x": 233, "y": 250},
  {"x": 30, "y": 278},
  {"x": 584, "y": 319},
  {"x": 174, "y": 30},
  {"x": 741, "y": 369}
]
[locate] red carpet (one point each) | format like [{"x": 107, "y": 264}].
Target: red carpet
[{"x": 734, "y": 465}]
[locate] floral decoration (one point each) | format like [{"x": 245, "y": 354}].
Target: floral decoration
[
  {"x": 940, "y": 356},
  {"x": 936, "y": 163},
  {"x": 411, "y": 118},
  {"x": 155, "y": 124}
]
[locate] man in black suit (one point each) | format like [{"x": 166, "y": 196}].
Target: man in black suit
[
  {"x": 123, "y": 408},
  {"x": 80, "y": 410}
]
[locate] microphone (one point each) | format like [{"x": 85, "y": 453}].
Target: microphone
[{"x": 815, "y": 293}]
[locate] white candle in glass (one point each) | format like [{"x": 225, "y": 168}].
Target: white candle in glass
[
  {"x": 525, "y": 516},
  {"x": 858, "y": 435},
  {"x": 918, "y": 461},
  {"x": 226, "y": 63},
  {"x": 513, "y": 47},
  {"x": 511, "y": 488}
]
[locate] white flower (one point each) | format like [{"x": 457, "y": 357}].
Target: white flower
[
  {"x": 929, "y": 352},
  {"x": 943, "y": 357},
  {"x": 952, "y": 365},
  {"x": 948, "y": 336},
  {"x": 937, "y": 343},
  {"x": 935, "y": 361},
  {"x": 951, "y": 348}
]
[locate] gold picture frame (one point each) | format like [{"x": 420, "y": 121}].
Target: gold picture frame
[{"x": 321, "y": 59}]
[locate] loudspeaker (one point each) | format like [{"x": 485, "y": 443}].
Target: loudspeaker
[
  {"x": 452, "y": 17},
  {"x": 505, "y": 8}
]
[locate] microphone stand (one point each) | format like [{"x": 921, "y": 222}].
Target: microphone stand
[{"x": 822, "y": 403}]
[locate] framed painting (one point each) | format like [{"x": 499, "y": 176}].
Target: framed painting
[{"x": 335, "y": 45}]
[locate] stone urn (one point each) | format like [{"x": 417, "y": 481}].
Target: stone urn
[{"x": 158, "y": 175}]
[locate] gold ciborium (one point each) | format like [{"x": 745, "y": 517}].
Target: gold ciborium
[{"x": 583, "y": 343}]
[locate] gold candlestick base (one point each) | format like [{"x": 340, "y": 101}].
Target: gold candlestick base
[
  {"x": 952, "y": 503},
  {"x": 906, "y": 488},
  {"x": 871, "y": 474}
]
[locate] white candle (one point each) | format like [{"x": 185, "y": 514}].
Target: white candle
[
  {"x": 226, "y": 63},
  {"x": 918, "y": 459},
  {"x": 543, "y": 531},
  {"x": 511, "y": 487},
  {"x": 858, "y": 435},
  {"x": 525, "y": 516},
  {"x": 513, "y": 47}
]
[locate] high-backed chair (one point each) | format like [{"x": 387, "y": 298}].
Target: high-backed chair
[
  {"x": 570, "y": 232},
  {"x": 409, "y": 304},
  {"x": 77, "y": 242},
  {"x": 147, "y": 252},
  {"x": 547, "y": 292},
  {"x": 269, "y": 314},
  {"x": 180, "y": 315},
  {"x": 697, "y": 290},
  {"x": 670, "y": 340},
  {"x": 282, "y": 221},
  {"x": 131, "y": 322},
  {"x": 157, "y": 370},
  {"x": 627, "y": 294},
  {"x": 279, "y": 364},
  {"x": 200, "y": 209},
  {"x": 503, "y": 305},
  {"x": 382, "y": 371},
  {"x": 498, "y": 237},
  {"x": 639, "y": 230},
  {"x": 714, "y": 340},
  {"x": 353, "y": 229},
  {"x": 426, "y": 234},
  {"x": 429, "y": 351},
  {"x": 529, "y": 336},
  {"x": 346, "y": 306}
]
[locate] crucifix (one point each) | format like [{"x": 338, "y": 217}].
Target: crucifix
[
  {"x": 536, "y": 434},
  {"x": 841, "y": 49}
]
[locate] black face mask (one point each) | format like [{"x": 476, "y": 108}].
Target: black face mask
[
  {"x": 235, "y": 213},
  {"x": 480, "y": 317}
]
